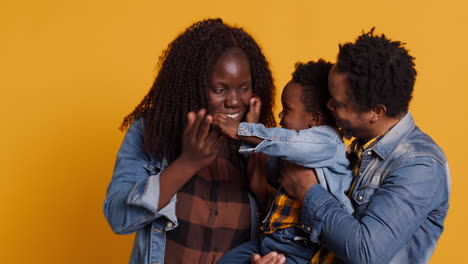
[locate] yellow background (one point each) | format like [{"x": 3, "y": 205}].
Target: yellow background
[{"x": 71, "y": 70}]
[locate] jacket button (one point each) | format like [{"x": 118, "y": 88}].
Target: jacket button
[
  {"x": 169, "y": 224},
  {"x": 360, "y": 197},
  {"x": 369, "y": 152}
]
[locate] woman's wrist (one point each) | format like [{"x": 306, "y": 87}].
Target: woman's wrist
[{"x": 186, "y": 166}]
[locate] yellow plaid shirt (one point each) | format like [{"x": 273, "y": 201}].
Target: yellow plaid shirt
[{"x": 285, "y": 212}]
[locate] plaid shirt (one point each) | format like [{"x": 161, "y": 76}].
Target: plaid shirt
[
  {"x": 284, "y": 212},
  {"x": 214, "y": 215}
]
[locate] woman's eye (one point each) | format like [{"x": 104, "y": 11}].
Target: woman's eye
[
  {"x": 218, "y": 90},
  {"x": 244, "y": 89}
]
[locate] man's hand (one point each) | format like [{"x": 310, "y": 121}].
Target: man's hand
[
  {"x": 227, "y": 125},
  {"x": 297, "y": 180},
  {"x": 270, "y": 258},
  {"x": 255, "y": 108}
]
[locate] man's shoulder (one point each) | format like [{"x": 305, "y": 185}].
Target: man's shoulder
[
  {"x": 405, "y": 141},
  {"x": 418, "y": 143}
]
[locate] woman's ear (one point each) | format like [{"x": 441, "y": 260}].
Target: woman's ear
[{"x": 315, "y": 119}]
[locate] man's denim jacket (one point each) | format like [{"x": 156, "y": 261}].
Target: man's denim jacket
[
  {"x": 400, "y": 201},
  {"x": 319, "y": 147},
  {"x": 132, "y": 199}
]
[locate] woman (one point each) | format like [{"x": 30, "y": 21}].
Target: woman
[{"x": 177, "y": 182}]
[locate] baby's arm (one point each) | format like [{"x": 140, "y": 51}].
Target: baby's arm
[
  {"x": 315, "y": 147},
  {"x": 229, "y": 126}
]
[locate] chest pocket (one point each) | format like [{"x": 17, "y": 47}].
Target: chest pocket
[
  {"x": 363, "y": 194},
  {"x": 367, "y": 187}
]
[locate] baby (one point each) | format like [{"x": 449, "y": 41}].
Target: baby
[{"x": 308, "y": 138}]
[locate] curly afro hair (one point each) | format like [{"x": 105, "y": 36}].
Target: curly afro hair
[
  {"x": 313, "y": 77},
  {"x": 182, "y": 83},
  {"x": 380, "y": 71}
]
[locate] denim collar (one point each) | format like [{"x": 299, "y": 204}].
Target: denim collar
[{"x": 394, "y": 137}]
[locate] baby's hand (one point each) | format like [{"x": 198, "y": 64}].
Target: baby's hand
[
  {"x": 227, "y": 125},
  {"x": 253, "y": 116}
]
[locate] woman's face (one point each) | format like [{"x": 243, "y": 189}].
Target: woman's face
[{"x": 230, "y": 85}]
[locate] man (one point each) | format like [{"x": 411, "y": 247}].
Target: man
[{"x": 401, "y": 187}]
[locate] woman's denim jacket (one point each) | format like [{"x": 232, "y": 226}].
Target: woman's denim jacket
[
  {"x": 132, "y": 199},
  {"x": 400, "y": 201},
  {"x": 319, "y": 147}
]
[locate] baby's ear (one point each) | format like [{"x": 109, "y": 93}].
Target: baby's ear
[{"x": 315, "y": 119}]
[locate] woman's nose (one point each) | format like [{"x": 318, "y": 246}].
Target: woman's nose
[{"x": 232, "y": 99}]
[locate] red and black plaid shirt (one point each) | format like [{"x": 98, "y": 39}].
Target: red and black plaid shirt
[{"x": 213, "y": 212}]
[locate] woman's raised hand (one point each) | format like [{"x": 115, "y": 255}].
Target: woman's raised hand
[{"x": 200, "y": 145}]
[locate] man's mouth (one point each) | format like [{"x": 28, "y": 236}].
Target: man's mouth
[{"x": 233, "y": 115}]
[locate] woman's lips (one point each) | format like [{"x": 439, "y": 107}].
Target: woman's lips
[{"x": 233, "y": 115}]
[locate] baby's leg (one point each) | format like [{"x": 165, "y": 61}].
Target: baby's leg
[
  {"x": 241, "y": 254},
  {"x": 292, "y": 243}
]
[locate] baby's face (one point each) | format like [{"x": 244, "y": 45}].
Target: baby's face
[{"x": 294, "y": 114}]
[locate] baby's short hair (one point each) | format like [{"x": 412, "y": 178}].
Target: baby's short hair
[{"x": 313, "y": 77}]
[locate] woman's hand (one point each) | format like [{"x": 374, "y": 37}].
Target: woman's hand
[
  {"x": 270, "y": 258},
  {"x": 199, "y": 148},
  {"x": 200, "y": 145}
]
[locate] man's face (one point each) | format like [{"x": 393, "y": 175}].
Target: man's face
[{"x": 348, "y": 117}]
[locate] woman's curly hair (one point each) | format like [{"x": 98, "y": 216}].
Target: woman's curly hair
[
  {"x": 380, "y": 71},
  {"x": 182, "y": 83},
  {"x": 313, "y": 76}
]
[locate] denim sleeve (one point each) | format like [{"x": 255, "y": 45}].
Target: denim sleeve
[
  {"x": 295, "y": 146},
  {"x": 393, "y": 214},
  {"x": 133, "y": 193}
]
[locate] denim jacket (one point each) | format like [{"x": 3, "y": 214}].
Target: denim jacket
[
  {"x": 400, "y": 201},
  {"x": 318, "y": 147},
  {"x": 132, "y": 199}
]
